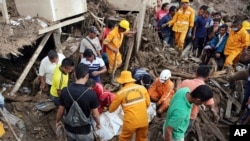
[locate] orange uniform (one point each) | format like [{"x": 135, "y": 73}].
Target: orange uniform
[
  {"x": 182, "y": 20},
  {"x": 237, "y": 41},
  {"x": 192, "y": 84},
  {"x": 162, "y": 93},
  {"x": 114, "y": 39},
  {"x": 134, "y": 100}
]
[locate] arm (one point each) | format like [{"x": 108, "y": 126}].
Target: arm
[
  {"x": 170, "y": 23},
  {"x": 41, "y": 75},
  {"x": 42, "y": 80},
  {"x": 107, "y": 42},
  {"x": 191, "y": 19},
  {"x": 115, "y": 103},
  {"x": 245, "y": 41},
  {"x": 222, "y": 45},
  {"x": 82, "y": 48},
  {"x": 59, "y": 114},
  {"x": 214, "y": 41},
  {"x": 153, "y": 91},
  {"x": 168, "y": 133},
  {"x": 168, "y": 88},
  {"x": 211, "y": 105},
  {"x": 98, "y": 52},
  {"x": 96, "y": 117},
  {"x": 147, "y": 98}
]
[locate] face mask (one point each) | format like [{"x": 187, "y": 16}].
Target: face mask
[{"x": 235, "y": 29}]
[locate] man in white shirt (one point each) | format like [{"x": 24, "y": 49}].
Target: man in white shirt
[
  {"x": 47, "y": 67},
  {"x": 91, "y": 42},
  {"x": 96, "y": 65}
]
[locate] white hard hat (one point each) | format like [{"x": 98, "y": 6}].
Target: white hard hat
[{"x": 165, "y": 75}]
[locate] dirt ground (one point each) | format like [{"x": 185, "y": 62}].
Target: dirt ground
[{"x": 40, "y": 125}]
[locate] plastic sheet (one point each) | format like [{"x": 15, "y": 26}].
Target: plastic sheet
[{"x": 111, "y": 123}]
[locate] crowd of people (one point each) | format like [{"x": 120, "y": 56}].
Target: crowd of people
[{"x": 100, "y": 55}]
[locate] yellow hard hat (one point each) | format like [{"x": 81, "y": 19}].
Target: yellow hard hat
[
  {"x": 246, "y": 25},
  {"x": 124, "y": 24},
  {"x": 184, "y": 0}
]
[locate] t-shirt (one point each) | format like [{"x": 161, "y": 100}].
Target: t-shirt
[
  {"x": 201, "y": 27},
  {"x": 161, "y": 14},
  {"x": 59, "y": 81},
  {"x": 193, "y": 84},
  {"x": 96, "y": 65},
  {"x": 178, "y": 114},
  {"x": 47, "y": 68},
  {"x": 86, "y": 44},
  {"x": 87, "y": 102}
]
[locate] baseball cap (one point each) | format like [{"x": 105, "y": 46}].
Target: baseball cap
[{"x": 93, "y": 29}]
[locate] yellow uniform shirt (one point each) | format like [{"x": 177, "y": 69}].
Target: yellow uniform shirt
[
  {"x": 134, "y": 100},
  {"x": 59, "y": 81},
  {"x": 236, "y": 42},
  {"x": 182, "y": 20}
]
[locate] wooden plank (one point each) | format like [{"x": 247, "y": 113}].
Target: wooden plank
[
  {"x": 61, "y": 24},
  {"x": 29, "y": 65},
  {"x": 57, "y": 40},
  {"x": 235, "y": 102},
  {"x": 140, "y": 22},
  {"x": 219, "y": 135},
  {"x": 198, "y": 131},
  {"x": 131, "y": 42},
  {"x": 228, "y": 109},
  {"x": 5, "y": 12}
]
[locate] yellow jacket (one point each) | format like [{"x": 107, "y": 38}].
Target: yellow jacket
[
  {"x": 182, "y": 20},
  {"x": 134, "y": 100},
  {"x": 236, "y": 42}
]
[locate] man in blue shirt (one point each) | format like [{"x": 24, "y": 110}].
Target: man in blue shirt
[
  {"x": 166, "y": 32},
  {"x": 200, "y": 32}
]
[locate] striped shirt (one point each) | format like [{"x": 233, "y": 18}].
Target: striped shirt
[{"x": 95, "y": 65}]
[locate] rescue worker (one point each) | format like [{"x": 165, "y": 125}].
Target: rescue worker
[
  {"x": 113, "y": 43},
  {"x": 162, "y": 91},
  {"x": 237, "y": 41},
  {"x": 134, "y": 100},
  {"x": 182, "y": 22}
]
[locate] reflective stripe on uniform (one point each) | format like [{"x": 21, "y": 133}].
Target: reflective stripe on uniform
[
  {"x": 122, "y": 91},
  {"x": 134, "y": 102},
  {"x": 184, "y": 22}
]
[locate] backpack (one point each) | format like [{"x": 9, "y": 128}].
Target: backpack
[{"x": 76, "y": 117}]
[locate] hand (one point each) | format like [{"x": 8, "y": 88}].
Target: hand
[
  {"x": 95, "y": 73},
  {"x": 217, "y": 55},
  {"x": 115, "y": 50},
  {"x": 58, "y": 124},
  {"x": 98, "y": 126},
  {"x": 42, "y": 86}
]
